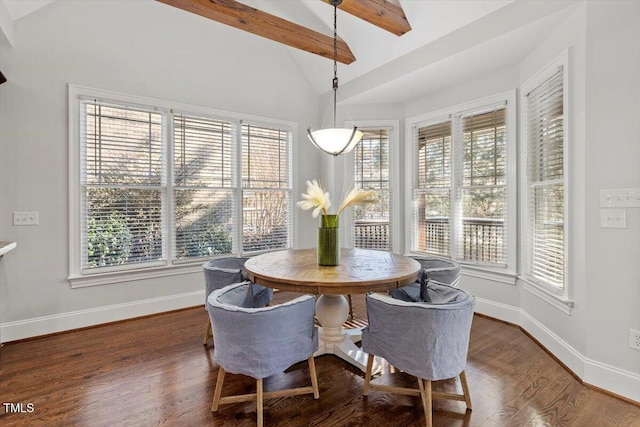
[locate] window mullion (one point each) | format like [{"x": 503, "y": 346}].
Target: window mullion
[
  {"x": 169, "y": 187},
  {"x": 239, "y": 191},
  {"x": 495, "y": 147},
  {"x": 457, "y": 166},
  {"x": 98, "y": 137}
]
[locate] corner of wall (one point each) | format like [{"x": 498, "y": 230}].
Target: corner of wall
[
  {"x": 6, "y": 23},
  {"x": 600, "y": 375}
]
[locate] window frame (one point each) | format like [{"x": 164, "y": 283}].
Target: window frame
[
  {"x": 558, "y": 297},
  {"x": 506, "y": 273},
  {"x": 168, "y": 266},
  {"x": 395, "y": 228}
]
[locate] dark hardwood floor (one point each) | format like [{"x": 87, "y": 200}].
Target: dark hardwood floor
[{"x": 155, "y": 371}]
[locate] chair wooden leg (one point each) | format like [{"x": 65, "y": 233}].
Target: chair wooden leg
[
  {"x": 218, "y": 391},
  {"x": 207, "y": 333},
  {"x": 421, "y": 387},
  {"x": 259, "y": 402},
  {"x": 425, "y": 393},
  {"x": 314, "y": 377},
  {"x": 367, "y": 375},
  {"x": 423, "y": 397},
  {"x": 350, "y": 306},
  {"x": 465, "y": 389}
]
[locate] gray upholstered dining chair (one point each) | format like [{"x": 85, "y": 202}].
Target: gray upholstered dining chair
[
  {"x": 261, "y": 342},
  {"x": 435, "y": 270},
  {"x": 221, "y": 272},
  {"x": 427, "y": 340}
]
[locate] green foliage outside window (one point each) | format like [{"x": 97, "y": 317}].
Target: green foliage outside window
[{"x": 108, "y": 241}]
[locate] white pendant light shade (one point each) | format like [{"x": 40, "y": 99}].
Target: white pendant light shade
[{"x": 335, "y": 141}]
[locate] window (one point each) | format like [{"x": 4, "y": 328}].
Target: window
[
  {"x": 203, "y": 186},
  {"x": 123, "y": 185},
  {"x": 484, "y": 188},
  {"x": 371, "y": 166},
  {"x": 266, "y": 188},
  {"x": 432, "y": 193},
  {"x": 462, "y": 204},
  {"x": 159, "y": 186},
  {"x": 371, "y": 226},
  {"x": 545, "y": 178}
]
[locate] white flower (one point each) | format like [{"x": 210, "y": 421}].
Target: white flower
[
  {"x": 355, "y": 196},
  {"x": 315, "y": 198}
]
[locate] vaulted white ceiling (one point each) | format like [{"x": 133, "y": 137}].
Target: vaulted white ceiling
[{"x": 449, "y": 41}]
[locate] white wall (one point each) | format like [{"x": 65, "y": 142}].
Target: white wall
[
  {"x": 6, "y": 24},
  {"x": 604, "y": 264},
  {"x": 140, "y": 48},
  {"x": 604, "y": 272},
  {"x": 612, "y": 161},
  {"x": 570, "y": 328}
]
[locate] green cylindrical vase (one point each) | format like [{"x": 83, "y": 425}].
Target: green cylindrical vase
[{"x": 328, "y": 240}]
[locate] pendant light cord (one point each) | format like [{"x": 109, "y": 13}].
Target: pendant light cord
[{"x": 335, "y": 59}]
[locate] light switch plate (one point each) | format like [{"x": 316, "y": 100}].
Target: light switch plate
[
  {"x": 25, "y": 218},
  {"x": 620, "y": 198},
  {"x": 613, "y": 218}
]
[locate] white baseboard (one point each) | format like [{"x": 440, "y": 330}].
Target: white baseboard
[
  {"x": 552, "y": 342},
  {"x": 592, "y": 372},
  {"x": 610, "y": 378},
  {"x": 34, "y": 327},
  {"x": 504, "y": 312}
]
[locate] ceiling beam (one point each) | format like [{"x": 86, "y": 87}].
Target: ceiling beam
[
  {"x": 238, "y": 15},
  {"x": 386, "y": 14}
]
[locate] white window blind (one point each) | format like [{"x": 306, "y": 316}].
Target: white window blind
[
  {"x": 122, "y": 185},
  {"x": 432, "y": 188},
  {"x": 266, "y": 187},
  {"x": 371, "y": 221},
  {"x": 544, "y": 114},
  {"x": 483, "y": 191},
  {"x": 155, "y": 184},
  {"x": 461, "y": 197},
  {"x": 204, "y": 190}
]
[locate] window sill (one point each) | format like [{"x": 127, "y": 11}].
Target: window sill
[
  {"x": 79, "y": 281},
  {"x": 489, "y": 274},
  {"x": 558, "y": 301}
]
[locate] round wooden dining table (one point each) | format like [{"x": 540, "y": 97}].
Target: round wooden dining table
[{"x": 359, "y": 271}]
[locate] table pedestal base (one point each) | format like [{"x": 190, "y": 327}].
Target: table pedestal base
[{"x": 332, "y": 311}]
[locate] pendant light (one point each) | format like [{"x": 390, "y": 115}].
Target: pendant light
[{"x": 334, "y": 140}]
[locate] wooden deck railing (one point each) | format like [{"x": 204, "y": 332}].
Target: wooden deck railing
[
  {"x": 371, "y": 234},
  {"x": 482, "y": 239}
]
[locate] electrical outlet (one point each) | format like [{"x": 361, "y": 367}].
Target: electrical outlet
[
  {"x": 25, "y": 218},
  {"x": 634, "y": 339}
]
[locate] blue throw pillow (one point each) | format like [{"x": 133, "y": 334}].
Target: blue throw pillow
[{"x": 424, "y": 285}]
